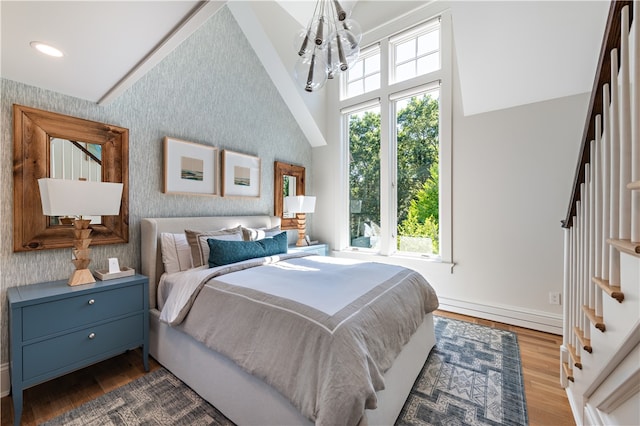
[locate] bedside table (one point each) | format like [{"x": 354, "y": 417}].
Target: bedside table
[
  {"x": 319, "y": 249},
  {"x": 55, "y": 328}
]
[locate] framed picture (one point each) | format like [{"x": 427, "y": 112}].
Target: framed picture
[
  {"x": 190, "y": 168},
  {"x": 240, "y": 175}
]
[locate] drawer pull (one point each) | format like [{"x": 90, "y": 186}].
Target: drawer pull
[
  {"x": 91, "y": 302},
  {"x": 92, "y": 336}
]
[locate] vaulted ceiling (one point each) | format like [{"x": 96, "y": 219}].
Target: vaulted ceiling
[{"x": 508, "y": 52}]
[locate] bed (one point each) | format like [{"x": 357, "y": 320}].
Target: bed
[{"x": 244, "y": 398}]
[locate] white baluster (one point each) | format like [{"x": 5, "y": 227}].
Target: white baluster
[
  {"x": 634, "y": 61},
  {"x": 614, "y": 191},
  {"x": 597, "y": 232},
  {"x": 606, "y": 181},
  {"x": 624, "y": 231},
  {"x": 593, "y": 166},
  {"x": 575, "y": 300},
  {"x": 579, "y": 261},
  {"x": 567, "y": 328}
]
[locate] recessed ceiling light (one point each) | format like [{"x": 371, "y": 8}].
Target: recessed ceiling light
[{"x": 46, "y": 49}]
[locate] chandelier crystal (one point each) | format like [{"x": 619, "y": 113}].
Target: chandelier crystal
[{"x": 329, "y": 45}]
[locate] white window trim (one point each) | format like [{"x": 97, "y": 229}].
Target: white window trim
[
  {"x": 364, "y": 54},
  {"x": 422, "y": 28},
  {"x": 444, "y": 75}
]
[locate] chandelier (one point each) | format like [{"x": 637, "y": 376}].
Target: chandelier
[{"x": 329, "y": 45}]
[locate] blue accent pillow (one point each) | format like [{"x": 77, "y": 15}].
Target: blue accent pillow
[{"x": 225, "y": 252}]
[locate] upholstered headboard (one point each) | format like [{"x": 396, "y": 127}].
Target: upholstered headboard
[{"x": 151, "y": 228}]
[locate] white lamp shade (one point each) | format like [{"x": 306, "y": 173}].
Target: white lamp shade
[
  {"x": 299, "y": 204},
  {"x": 62, "y": 197}
]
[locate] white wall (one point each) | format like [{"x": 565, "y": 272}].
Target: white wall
[{"x": 512, "y": 174}]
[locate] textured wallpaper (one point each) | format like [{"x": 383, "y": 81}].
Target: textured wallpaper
[{"x": 211, "y": 90}]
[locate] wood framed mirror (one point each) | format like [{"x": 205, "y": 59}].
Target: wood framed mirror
[
  {"x": 37, "y": 140},
  {"x": 288, "y": 180}
]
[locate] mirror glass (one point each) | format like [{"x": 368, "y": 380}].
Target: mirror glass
[
  {"x": 288, "y": 179},
  {"x": 77, "y": 161},
  {"x": 288, "y": 188},
  {"x": 48, "y": 144}
]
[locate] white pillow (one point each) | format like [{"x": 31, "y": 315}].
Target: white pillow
[
  {"x": 255, "y": 234},
  {"x": 200, "y": 247},
  {"x": 176, "y": 253}
]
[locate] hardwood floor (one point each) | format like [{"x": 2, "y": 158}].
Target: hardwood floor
[{"x": 547, "y": 402}]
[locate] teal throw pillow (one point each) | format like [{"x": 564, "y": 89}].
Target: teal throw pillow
[{"x": 223, "y": 252}]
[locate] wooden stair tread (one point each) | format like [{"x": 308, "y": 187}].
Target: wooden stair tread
[
  {"x": 612, "y": 290},
  {"x": 567, "y": 371},
  {"x": 597, "y": 321},
  {"x": 634, "y": 185},
  {"x": 626, "y": 246},
  {"x": 575, "y": 357},
  {"x": 586, "y": 343}
]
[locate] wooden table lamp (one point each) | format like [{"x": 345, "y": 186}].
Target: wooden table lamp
[
  {"x": 300, "y": 205},
  {"x": 78, "y": 198}
]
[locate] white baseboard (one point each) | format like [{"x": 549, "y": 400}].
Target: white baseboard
[
  {"x": 513, "y": 315},
  {"x": 5, "y": 380}
]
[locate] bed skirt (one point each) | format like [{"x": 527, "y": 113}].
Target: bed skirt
[{"x": 247, "y": 400}]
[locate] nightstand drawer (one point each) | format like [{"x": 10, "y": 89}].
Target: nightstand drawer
[
  {"x": 47, "y": 318},
  {"x": 318, "y": 249},
  {"x": 64, "y": 351}
]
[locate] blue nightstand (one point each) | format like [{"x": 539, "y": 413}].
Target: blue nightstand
[{"x": 55, "y": 328}]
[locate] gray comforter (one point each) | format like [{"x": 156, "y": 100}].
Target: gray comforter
[{"x": 329, "y": 362}]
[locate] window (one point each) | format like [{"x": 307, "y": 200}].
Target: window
[
  {"x": 415, "y": 52},
  {"x": 364, "y": 75},
  {"x": 418, "y": 152},
  {"x": 397, "y": 145},
  {"x": 364, "y": 176}
]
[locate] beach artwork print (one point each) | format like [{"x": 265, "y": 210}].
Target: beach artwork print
[
  {"x": 191, "y": 168},
  {"x": 242, "y": 176}
]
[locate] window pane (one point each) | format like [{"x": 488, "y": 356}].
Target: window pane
[
  {"x": 406, "y": 71},
  {"x": 367, "y": 66},
  {"x": 356, "y": 71},
  {"x": 372, "y": 83},
  {"x": 406, "y": 51},
  {"x": 417, "y": 124},
  {"x": 364, "y": 178},
  {"x": 372, "y": 64},
  {"x": 429, "y": 42},
  {"x": 355, "y": 88},
  {"x": 429, "y": 63}
]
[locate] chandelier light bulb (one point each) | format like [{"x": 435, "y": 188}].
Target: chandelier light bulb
[
  {"x": 340, "y": 13},
  {"x": 303, "y": 42},
  {"x": 333, "y": 60},
  {"x": 311, "y": 72},
  {"x": 355, "y": 32}
]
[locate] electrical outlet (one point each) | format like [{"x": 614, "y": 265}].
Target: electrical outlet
[{"x": 554, "y": 298}]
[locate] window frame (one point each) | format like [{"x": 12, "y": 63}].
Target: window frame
[
  {"x": 388, "y": 167},
  {"x": 365, "y": 53},
  {"x": 412, "y": 33}
]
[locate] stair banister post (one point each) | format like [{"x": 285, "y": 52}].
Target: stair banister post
[
  {"x": 624, "y": 231},
  {"x": 635, "y": 124},
  {"x": 614, "y": 191},
  {"x": 592, "y": 225},
  {"x": 599, "y": 244}
]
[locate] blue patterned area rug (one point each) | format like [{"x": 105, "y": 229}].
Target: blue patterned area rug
[{"x": 473, "y": 376}]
